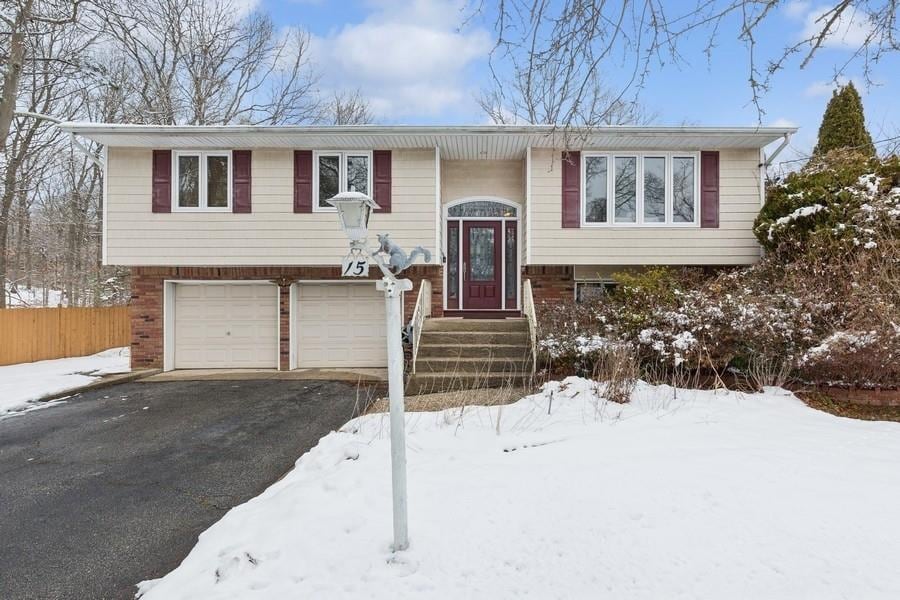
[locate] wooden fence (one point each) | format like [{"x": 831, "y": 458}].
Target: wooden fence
[{"x": 30, "y": 334}]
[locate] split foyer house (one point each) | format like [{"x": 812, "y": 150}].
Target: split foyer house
[{"x": 235, "y": 252}]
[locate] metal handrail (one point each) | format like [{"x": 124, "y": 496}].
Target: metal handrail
[
  {"x": 531, "y": 317},
  {"x": 422, "y": 310}
]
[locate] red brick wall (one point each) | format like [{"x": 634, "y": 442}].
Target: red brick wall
[
  {"x": 284, "y": 327},
  {"x": 863, "y": 397},
  {"x": 551, "y": 283},
  {"x": 147, "y": 300}
]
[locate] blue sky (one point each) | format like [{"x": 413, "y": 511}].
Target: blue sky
[{"x": 417, "y": 66}]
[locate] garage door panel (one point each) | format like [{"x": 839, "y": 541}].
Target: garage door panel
[
  {"x": 226, "y": 326},
  {"x": 340, "y": 325}
]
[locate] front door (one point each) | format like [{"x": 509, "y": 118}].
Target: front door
[{"x": 482, "y": 268}]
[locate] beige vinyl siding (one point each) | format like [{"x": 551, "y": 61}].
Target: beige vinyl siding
[
  {"x": 272, "y": 234},
  {"x": 731, "y": 243},
  {"x": 469, "y": 178},
  {"x": 477, "y": 178}
]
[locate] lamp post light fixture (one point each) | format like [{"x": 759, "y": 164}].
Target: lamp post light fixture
[{"x": 354, "y": 209}]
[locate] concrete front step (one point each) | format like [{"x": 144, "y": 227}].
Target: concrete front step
[
  {"x": 476, "y": 338},
  {"x": 486, "y": 351},
  {"x": 480, "y": 325},
  {"x": 497, "y": 366},
  {"x": 429, "y": 383}
]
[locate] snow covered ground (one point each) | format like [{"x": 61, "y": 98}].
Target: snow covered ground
[
  {"x": 22, "y": 384},
  {"x": 33, "y": 297},
  {"x": 710, "y": 495}
]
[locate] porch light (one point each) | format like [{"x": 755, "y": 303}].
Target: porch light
[{"x": 354, "y": 209}]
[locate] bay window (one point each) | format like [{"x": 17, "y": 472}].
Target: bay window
[
  {"x": 336, "y": 172},
  {"x": 643, "y": 189},
  {"x": 202, "y": 180}
]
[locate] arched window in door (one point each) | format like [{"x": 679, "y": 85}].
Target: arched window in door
[{"x": 482, "y": 209}]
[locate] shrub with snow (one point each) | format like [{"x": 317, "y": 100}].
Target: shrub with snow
[{"x": 823, "y": 304}]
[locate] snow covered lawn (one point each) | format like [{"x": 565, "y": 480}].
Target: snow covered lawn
[
  {"x": 22, "y": 384},
  {"x": 710, "y": 495}
]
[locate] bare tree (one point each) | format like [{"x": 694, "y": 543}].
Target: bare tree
[
  {"x": 202, "y": 62},
  {"x": 46, "y": 77},
  {"x": 564, "y": 47},
  {"x": 22, "y": 19},
  {"x": 544, "y": 97},
  {"x": 347, "y": 108}
]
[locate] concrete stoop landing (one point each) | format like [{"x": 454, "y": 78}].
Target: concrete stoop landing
[{"x": 459, "y": 354}]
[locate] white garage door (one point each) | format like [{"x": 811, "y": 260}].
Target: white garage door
[
  {"x": 340, "y": 325},
  {"x": 220, "y": 326}
]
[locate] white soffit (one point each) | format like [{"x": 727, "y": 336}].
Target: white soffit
[{"x": 455, "y": 142}]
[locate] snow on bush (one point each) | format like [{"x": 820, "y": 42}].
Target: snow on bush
[{"x": 833, "y": 266}]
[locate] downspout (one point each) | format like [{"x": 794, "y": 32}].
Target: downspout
[
  {"x": 764, "y": 164},
  {"x": 768, "y": 161}
]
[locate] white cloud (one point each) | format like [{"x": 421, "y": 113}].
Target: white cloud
[
  {"x": 782, "y": 122},
  {"x": 849, "y": 32},
  {"x": 244, "y": 7},
  {"x": 407, "y": 58},
  {"x": 825, "y": 88},
  {"x": 797, "y": 9}
]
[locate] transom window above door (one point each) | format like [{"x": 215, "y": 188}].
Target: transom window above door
[
  {"x": 640, "y": 189},
  {"x": 202, "y": 180},
  {"x": 478, "y": 209},
  {"x": 336, "y": 172}
]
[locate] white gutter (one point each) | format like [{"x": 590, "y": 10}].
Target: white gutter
[
  {"x": 787, "y": 140},
  {"x": 59, "y": 124},
  {"x": 90, "y": 127}
]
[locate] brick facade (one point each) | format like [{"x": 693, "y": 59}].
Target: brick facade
[
  {"x": 861, "y": 397},
  {"x": 146, "y": 308},
  {"x": 552, "y": 283}
]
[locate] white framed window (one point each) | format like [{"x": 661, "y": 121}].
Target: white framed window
[
  {"x": 340, "y": 171},
  {"x": 645, "y": 189},
  {"x": 201, "y": 180}
]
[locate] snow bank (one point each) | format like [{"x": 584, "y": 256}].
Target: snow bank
[
  {"x": 22, "y": 384},
  {"x": 680, "y": 494}
]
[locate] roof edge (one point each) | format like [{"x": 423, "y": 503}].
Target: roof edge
[{"x": 88, "y": 128}]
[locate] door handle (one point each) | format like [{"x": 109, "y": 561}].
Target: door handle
[{"x": 465, "y": 272}]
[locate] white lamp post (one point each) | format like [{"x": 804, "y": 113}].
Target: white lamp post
[{"x": 354, "y": 209}]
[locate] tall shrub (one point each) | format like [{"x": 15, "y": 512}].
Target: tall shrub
[{"x": 844, "y": 124}]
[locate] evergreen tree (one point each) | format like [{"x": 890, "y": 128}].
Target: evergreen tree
[{"x": 844, "y": 125}]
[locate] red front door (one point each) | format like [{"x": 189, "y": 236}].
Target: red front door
[{"x": 482, "y": 269}]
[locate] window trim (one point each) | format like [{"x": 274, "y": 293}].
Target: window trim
[
  {"x": 639, "y": 217},
  {"x": 203, "y": 199},
  {"x": 342, "y": 184}
]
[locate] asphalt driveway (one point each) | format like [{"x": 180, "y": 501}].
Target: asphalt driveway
[{"x": 114, "y": 486}]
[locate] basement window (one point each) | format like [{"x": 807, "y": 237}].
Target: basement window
[
  {"x": 202, "y": 180},
  {"x": 590, "y": 290}
]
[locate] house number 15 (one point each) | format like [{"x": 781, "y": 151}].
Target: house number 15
[{"x": 354, "y": 267}]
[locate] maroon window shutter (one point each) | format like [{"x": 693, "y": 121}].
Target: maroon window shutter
[
  {"x": 709, "y": 189},
  {"x": 381, "y": 170},
  {"x": 240, "y": 181},
  {"x": 162, "y": 181},
  {"x": 303, "y": 172},
  {"x": 571, "y": 189}
]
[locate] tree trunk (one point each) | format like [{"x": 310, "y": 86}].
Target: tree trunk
[
  {"x": 13, "y": 72},
  {"x": 4, "y": 231}
]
